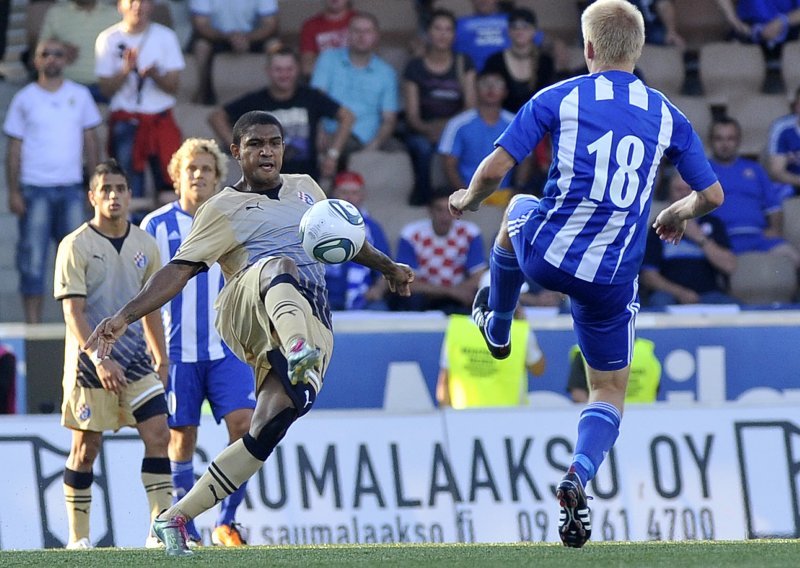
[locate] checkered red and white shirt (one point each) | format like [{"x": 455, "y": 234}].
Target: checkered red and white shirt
[{"x": 442, "y": 261}]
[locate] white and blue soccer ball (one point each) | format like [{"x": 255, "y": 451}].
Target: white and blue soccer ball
[{"x": 332, "y": 231}]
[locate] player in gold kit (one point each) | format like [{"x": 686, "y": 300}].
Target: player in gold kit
[{"x": 273, "y": 311}]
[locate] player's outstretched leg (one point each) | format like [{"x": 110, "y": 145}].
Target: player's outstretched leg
[
  {"x": 172, "y": 532},
  {"x": 274, "y": 414},
  {"x": 575, "y": 520},
  {"x": 481, "y": 315}
]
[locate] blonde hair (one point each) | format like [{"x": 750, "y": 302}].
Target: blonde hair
[
  {"x": 191, "y": 147},
  {"x": 616, "y": 30}
]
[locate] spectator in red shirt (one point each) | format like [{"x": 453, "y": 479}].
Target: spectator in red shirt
[{"x": 323, "y": 31}]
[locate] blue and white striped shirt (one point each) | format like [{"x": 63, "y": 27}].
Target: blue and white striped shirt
[
  {"x": 609, "y": 134},
  {"x": 189, "y": 316}
]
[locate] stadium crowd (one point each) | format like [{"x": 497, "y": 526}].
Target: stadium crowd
[
  {"x": 360, "y": 92},
  {"x": 392, "y": 105}
]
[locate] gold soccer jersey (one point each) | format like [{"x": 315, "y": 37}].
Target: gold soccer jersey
[
  {"x": 237, "y": 229},
  {"x": 107, "y": 272}
]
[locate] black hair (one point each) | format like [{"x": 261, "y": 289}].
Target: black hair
[
  {"x": 253, "y": 118},
  {"x": 523, "y": 14},
  {"x": 440, "y": 13},
  {"x": 725, "y": 120},
  {"x": 110, "y": 166}
]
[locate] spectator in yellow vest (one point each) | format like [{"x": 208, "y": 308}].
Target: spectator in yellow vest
[
  {"x": 642, "y": 385},
  {"x": 469, "y": 377}
]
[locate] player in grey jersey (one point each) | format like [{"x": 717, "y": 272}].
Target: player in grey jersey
[{"x": 272, "y": 312}]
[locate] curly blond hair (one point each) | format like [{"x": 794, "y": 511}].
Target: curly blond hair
[{"x": 191, "y": 147}]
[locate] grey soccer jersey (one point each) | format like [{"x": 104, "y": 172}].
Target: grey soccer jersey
[
  {"x": 237, "y": 228},
  {"x": 89, "y": 265}
]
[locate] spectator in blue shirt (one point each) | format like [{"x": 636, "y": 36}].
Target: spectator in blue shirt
[
  {"x": 483, "y": 33},
  {"x": 357, "y": 78},
  {"x": 696, "y": 270},
  {"x": 783, "y": 150},
  {"x": 469, "y": 136},
  {"x": 752, "y": 211}
]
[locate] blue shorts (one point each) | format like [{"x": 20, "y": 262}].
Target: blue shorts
[
  {"x": 227, "y": 383},
  {"x": 603, "y": 315}
]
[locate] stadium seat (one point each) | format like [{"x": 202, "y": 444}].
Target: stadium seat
[
  {"x": 193, "y": 120},
  {"x": 234, "y": 172},
  {"x": 791, "y": 220},
  {"x": 458, "y": 7},
  {"x": 756, "y": 113},
  {"x": 557, "y": 18},
  {"x": 438, "y": 177},
  {"x": 699, "y": 22},
  {"x": 398, "y": 18},
  {"x": 762, "y": 278},
  {"x": 393, "y": 218},
  {"x": 662, "y": 67},
  {"x": 388, "y": 176},
  {"x": 188, "y": 82},
  {"x": 395, "y": 55},
  {"x": 292, "y": 14},
  {"x": 790, "y": 63},
  {"x": 488, "y": 218},
  {"x": 730, "y": 70},
  {"x": 237, "y": 74},
  {"x": 697, "y": 110}
]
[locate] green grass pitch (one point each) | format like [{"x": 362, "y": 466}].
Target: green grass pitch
[{"x": 756, "y": 554}]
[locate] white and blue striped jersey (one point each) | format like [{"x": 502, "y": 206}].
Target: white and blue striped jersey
[
  {"x": 609, "y": 133},
  {"x": 189, "y": 316}
]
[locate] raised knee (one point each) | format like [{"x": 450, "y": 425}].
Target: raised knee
[
  {"x": 277, "y": 267},
  {"x": 281, "y": 265}
]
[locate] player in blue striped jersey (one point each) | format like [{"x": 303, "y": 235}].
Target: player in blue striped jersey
[
  {"x": 201, "y": 365},
  {"x": 586, "y": 236}
]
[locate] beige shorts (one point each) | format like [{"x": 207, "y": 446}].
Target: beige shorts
[
  {"x": 99, "y": 410},
  {"x": 244, "y": 326}
]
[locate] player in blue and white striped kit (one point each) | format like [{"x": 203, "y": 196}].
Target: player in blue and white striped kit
[
  {"x": 587, "y": 234},
  {"x": 201, "y": 365}
]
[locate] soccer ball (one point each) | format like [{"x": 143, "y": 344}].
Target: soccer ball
[{"x": 332, "y": 231}]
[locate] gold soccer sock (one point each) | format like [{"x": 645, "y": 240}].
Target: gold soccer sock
[
  {"x": 224, "y": 475},
  {"x": 157, "y": 481},
  {"x": 78, "y": 497},
  {"x": 285, "y": 310}
]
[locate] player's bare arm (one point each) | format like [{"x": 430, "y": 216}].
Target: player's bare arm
[
  {"x": 671, "y": 222},
  {"x": 398, "y": 276},
  {"x": 487, "y": 179},
  {"x": 160, "y": 289}
]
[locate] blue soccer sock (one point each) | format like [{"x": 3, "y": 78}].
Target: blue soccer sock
[
  {"x": 598, "y": 429},
  {"x": 183, "y": 481},
  {"x": 227, "y": 510},
  {"x": 506, "y": 278}
]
